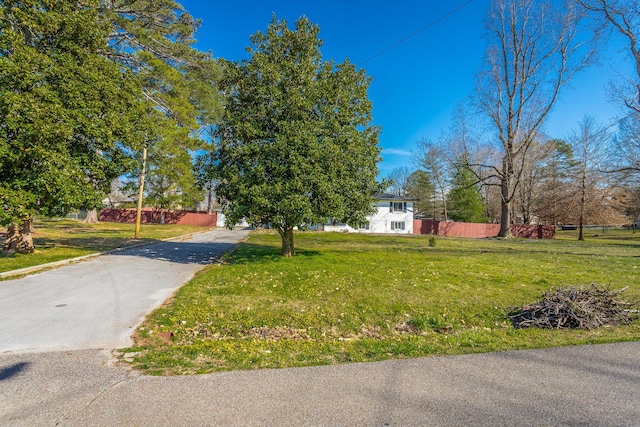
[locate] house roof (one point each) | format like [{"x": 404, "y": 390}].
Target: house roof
[{"x": 393, "y": 198}]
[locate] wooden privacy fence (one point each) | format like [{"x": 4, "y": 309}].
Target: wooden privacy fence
[
  {"x": 534, "y": 231},
  {"x": 153, "y": 216},
  {"x": 473, "y": 230}
]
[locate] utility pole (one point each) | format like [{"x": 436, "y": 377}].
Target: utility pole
[{"x": 139, "y": 210}]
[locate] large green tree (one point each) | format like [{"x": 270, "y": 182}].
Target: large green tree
[
  {"x": 84, "y": 85},
  {"x": 69, "y": 116},
  {"x": 296, "y": 145},
  {"x": 465, "y": 201},
  {"x": 419, "y": 186},
  {"x": 154, "y": 40}
]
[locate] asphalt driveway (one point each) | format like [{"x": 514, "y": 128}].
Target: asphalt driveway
[{"x": 99, "y": 302}]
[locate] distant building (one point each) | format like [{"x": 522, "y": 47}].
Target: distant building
[
  {"x": 394, "y": 215},
  {"x": 222, "y": 218},
  {"x": 116, "y": 197}
]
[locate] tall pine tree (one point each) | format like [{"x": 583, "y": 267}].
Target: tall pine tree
[{"x": 465, "y": 200}]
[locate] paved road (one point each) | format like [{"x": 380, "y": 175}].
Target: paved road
[
  {"x": 571, "y": 386},
  {"x": 99, "y": 302}
]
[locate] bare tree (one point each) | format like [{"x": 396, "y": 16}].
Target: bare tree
[
  {"x": 626, "y": 148},
  {"x": 553, "y": 207},
  {"x": 454, "y": 151},
  {"x": 623, "y": 16},
  {"x": 588, "y": 144},
  {"x": 433, "y": 159},
  {"x": 535, "y": 48},
  {"x": 463, "y": 138},
  {"x": 398, "y": 178},
  {"x": 530, "y": 191}
]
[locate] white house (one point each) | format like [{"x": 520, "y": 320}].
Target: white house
[
  {"x": 220, "y": 220},
  {"x": 394, "y": 214}
]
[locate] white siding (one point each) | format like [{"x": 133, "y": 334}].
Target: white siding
[
  {"x": 380, "y": 222},
  {"x": 221, "y": 218}
]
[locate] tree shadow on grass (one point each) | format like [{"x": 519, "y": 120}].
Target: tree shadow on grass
[{"x": 250, "y": 253}]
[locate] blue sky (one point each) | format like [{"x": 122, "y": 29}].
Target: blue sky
[{"x": 417, "y": 83}]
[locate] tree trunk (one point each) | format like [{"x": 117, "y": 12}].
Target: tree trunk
[
  {"x": 505, "y": 222},
  {"x": 505, "y": 215},
  {"x": 92, "y": 217},
  {"x": 209, "y": 200},
  {"x": 583, "y": 198},
  {"x": 19, "y": 238},
  {"x": 444, "y": 206},
  {"x": 287, "y": 249}
]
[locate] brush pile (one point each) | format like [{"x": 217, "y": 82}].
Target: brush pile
[{"x": 576, "y": 308}]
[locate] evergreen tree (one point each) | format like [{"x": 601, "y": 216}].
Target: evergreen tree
[
  {"x": 419, "y": 186},
  {"x": 295, "y": 146},
  {"x": 84, "y": 85},
  {"x": 154, "y": 40},
  {"x": 69, "y": 116},
  {"x": 465, "y": 200}
]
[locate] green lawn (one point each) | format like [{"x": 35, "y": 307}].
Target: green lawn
[
  {"x": 356, "y": 297},
  {"x": 59, "y": 239}
]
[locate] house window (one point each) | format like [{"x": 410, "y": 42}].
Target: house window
[
  {"x": 364, "y": 226},
  {"x": 397, "y": 225},
  {"x": 398, "y": 207}
]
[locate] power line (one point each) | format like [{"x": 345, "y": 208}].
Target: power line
[{"x": 429, "y": 25}]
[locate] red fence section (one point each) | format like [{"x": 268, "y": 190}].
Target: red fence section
[
  {"x": 534, "y": 231},
  {"x": 473, "y": 230},
  {"x": 155, "y": 217}
]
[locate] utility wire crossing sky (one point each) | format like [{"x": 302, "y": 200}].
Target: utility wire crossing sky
[{"x": 423, "y": 57}]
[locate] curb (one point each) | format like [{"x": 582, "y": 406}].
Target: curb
[{"x": 50, "y": 265}]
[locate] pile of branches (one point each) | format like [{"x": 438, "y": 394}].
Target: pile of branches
[{"x": 576, "y": 308}]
